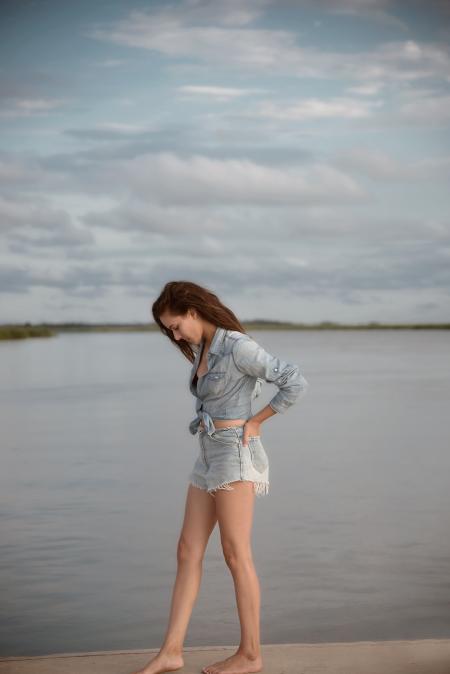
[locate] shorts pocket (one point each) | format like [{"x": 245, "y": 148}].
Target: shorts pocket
[
  {"x": 258, "y": 454},
  {"x": 225, "y": 436}
]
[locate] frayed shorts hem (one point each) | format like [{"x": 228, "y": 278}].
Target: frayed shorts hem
[
  {"x": 223, "y": 459},
  {"x": 259, "y": 488}
]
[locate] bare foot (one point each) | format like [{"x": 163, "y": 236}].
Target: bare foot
[
  {"x": 235, "y": 664},
  {"x": 162, "y": 663}
]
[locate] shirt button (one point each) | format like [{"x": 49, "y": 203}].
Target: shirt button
[{"x": 275, "y": 369}]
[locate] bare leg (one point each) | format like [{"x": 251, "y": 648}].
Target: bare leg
[
  {"x": 199, "y": 521},
  {"x": 235, "y": 515}
]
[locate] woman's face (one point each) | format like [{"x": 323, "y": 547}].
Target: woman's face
[{"x": 187, "y": 327}]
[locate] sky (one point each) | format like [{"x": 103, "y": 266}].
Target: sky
[{"x": 292, "y": 156}]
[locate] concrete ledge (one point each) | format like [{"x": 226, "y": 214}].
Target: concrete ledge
[{"x": 424, "y": 656}]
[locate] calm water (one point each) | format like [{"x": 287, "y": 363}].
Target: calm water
[{"x": 352, "y": 543}]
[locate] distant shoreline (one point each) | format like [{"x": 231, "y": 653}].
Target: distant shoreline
[{"x": 27, "y": 330}]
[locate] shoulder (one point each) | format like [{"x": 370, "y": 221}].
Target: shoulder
[
  {"x": 234, "y": 335},
  {"x": 233, "y": 338},
  {"x": 241, "y": 345}
]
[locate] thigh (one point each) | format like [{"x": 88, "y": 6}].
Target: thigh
[
  {"x": 199, "y": 518},
  {"x": 235, "y": 515}
]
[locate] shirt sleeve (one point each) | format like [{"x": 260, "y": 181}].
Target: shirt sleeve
[{"x": 250, "y": 358}]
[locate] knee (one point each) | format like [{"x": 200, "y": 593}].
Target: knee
[
  {"x": 236, "y": 555},
  {"x": 188, "y": 551}
]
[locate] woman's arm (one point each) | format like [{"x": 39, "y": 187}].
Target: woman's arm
[{"x": 250, "y": 358}]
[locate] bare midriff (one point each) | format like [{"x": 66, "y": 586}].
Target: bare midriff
[{"x": 222, "y": 423}]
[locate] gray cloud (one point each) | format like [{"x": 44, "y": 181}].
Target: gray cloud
[
  {"x": 178, "y": 32},
  {"x": 340, "y": 273},
  {"x": 236, "y": 149},
  {"x": 382, "y": 166},
  {"x": 36, "y": 224},
  {"x": 167, "y": 179},
  {"x": 223, "y": 136}
]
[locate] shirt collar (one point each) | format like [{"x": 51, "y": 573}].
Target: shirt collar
[
  {"x": 215, "y": 346},
  {"x": 216, "y": 342}
]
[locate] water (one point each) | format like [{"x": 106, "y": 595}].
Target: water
[{"x": 352, "y": 542}]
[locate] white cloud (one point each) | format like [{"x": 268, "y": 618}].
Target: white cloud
[
  {"x": 120, "y": 128},
  {"x": 316, "y": 108},
  {"x": 168, "y": 179},
  {"x": 217, "y": 93},
  {"x": 370, "y": 89},
  {"x": 168, "y": 35},
  {"x": 192, "y": 32},
  {"x": 26, "y": 107}
]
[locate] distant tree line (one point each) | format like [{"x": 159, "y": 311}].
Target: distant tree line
[{"x": 25, "y": 330}]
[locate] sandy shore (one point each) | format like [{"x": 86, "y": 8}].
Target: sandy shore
[{"x": 424, "y": 656}]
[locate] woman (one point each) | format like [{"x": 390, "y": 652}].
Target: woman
[{"x": 232, "y": 466}]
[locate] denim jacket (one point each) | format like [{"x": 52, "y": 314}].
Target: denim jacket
[{"x": 237, "y": 366}]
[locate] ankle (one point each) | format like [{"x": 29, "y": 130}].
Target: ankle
[
  {"x": 250, "y": 653},
  {"x": 171, "y": 650}
]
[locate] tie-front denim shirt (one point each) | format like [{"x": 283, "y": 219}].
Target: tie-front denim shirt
[{"x": 237, "y": 365}]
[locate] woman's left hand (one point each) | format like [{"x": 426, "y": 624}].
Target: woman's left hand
[{"x": 251, "y": 428}]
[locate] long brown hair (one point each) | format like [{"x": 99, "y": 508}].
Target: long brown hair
[{"x": 179, "y": 296}]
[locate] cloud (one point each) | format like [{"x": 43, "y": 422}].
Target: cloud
[
  {"x": 192, "y": 30},
  {"x": 166, "y": 178},
  {"x": 24, "y": 175},
  {"x": 427, "y": 109},
  {"x": 369, "y": 89},
  {"x": 78, "y": 280},
  {"x": 316, "y": 108},
  {"x": 412, "y": 107},
  {"x": 35, "y": 223},
  {"x": 217, "y": 93},
  {"x": 382, "y": 166},
  {"x": 372, "y": 9},
  {"x": 136, "y": 215},
  {"x": 111, "y": 131},
  {"x": 13, "y": 170},
  {"x": 110, "y": 63},
  {"x": 214, "y": 134},
  {"x": 344, "y": 275},
  {"x": 169, "y": 36},
  {"x": 27, "y": 107}
]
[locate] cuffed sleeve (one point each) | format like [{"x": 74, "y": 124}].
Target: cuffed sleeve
[{"x": 250, "y": 358}]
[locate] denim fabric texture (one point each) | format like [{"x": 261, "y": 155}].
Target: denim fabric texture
[
  {"x": 237, "y": 366},
  {"x": 223, "y": 459}
]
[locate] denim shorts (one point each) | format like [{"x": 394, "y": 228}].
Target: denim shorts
[{"x": 223, "y": 459}]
